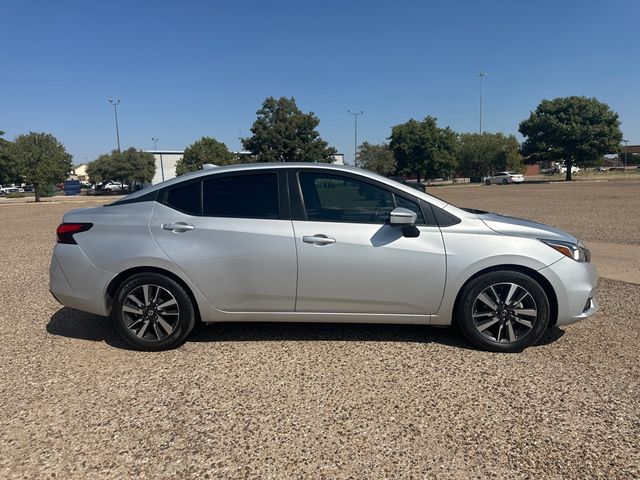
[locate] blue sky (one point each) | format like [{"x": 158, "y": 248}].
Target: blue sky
[{"x": 185, "y": 69}]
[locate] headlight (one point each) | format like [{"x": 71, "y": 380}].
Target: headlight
[{"x": 578, "y": 252}]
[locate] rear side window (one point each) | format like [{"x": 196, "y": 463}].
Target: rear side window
[
  {"x": 185, "y": 198},
  {"x": 242, "y": 196}
]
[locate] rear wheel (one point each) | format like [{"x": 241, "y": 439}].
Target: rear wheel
[
  {"x": 505, "y": 181},
  {"x": 487, "y": 182},
  {"x": 503, "y": 311},
  {"x": 153, "y": 312}
]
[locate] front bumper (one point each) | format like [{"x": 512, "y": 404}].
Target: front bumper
[{"x": 575, "y": 284}]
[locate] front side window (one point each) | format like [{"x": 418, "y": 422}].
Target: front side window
[
  {"x": 411, "y": 205},
  {"x": 334, "y": 198},
  {"x": 243, "y": 196}
]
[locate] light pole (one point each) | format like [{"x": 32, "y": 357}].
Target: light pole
[
  {"x": 481, "y": 75},
  {"x": 626, "y": 147},
  {"x": 155, "y": 147},
  {"x": 115, "y": 104},
  {"x": 355, "y": 140}
]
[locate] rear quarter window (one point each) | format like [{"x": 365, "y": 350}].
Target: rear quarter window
[{"x": 185, "y": 198}]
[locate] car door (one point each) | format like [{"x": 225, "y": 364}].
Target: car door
[
  {"x": 350, "y": 259},
  {"x": 231, "y": 235}
]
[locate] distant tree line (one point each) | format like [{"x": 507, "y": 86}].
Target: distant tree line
[
  {"x": 424, "y": 150},
  {"x": 574, "y": 129}
]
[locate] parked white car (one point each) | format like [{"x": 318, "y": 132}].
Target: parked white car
[
  {"x": 574, "y": 169},
  {"x": 114, "y": 186},
  {"x": 10, "y": 189},
  {"x": 504, "y": 178}
]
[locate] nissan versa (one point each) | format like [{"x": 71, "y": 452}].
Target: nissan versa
[{"x": 315, "y": 243}]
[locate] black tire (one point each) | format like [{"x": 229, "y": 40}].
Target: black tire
[
  {"x": 505, "y": 181},
  {"x": 156, "y": 336},
  {"x": 483, "y": 328},
  {"x": 487, "y": 182}
]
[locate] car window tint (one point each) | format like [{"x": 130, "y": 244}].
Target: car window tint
[
  {"x": 335, "y": 198},
  {"x": 413, "y": 206},
  {"x": 243, "y": 196},
  {"x": 185, "y": 198}
]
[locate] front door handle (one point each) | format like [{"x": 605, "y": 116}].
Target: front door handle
[
  {"x": 178, "y": 227},
  {"x": 318, "y": 239}
]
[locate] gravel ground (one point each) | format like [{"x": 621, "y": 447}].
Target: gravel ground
[
  {"x": 311, "y": 401},
  {"x": 601, "y": 211}
]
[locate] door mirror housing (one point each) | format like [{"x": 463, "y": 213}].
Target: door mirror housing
[{"x": 402, "y": 217}]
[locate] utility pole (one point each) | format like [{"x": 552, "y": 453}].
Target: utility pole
[
  {"x": 626, "y": 148},
  {"x": 115, "y": 104},
  {"x": 481, "y": 75},
  {"x": 355, "y": 140},
  {"x": 155, "y": 147}
]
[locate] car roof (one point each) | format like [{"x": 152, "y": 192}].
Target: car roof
[{"x": 246, "y": 167}]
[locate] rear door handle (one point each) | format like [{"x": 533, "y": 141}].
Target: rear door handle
[
  {"x": 318, "y": 239},
  {"x": 177, "y": 227}
]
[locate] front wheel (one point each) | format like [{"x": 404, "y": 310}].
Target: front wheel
[
  {"x": 153, "y": 312},
  {"x": 503, "y": 311}
]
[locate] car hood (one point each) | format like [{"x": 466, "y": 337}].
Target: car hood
[{"x": 521, "y": 227}]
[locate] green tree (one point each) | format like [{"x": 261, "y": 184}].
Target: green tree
[
  {"x": 7, "y": 168},
  {"x": 576, "y": 129},
  {"x": 100, "y": 170},
  {"x": 283, "y": 133},
  {"x": 422, "y": 148},
  {"x": 130, "y": 167},
  {"x": 40, "y": 160},
  {"x": 377, "y": 158},
  {"x": 486, "y": 153},
  {"x": 205, "y": 150},
  {"x": 142, "y": 166}
]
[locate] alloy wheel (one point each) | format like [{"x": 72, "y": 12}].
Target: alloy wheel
[
  {"x": 150, "y": 312},
  {"x": 504, "y": 312}
]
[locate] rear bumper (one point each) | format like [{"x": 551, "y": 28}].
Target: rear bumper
[
  {"x": 575, "y": 285},
  {"x": 75, "y": 282}
]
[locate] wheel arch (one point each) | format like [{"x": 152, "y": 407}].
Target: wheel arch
[
  {"x": 119, "y": 279},
  {"x": 538, "y": 277}
]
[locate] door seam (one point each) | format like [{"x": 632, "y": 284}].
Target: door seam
[{"x": 295, "y": 244}]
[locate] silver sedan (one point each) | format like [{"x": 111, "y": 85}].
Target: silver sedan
[{"x": 315, "y": 243}]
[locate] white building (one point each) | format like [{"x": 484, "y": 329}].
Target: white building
[
  {"x": 79, "y": 172},
  {"x": 166, "y": 161}
]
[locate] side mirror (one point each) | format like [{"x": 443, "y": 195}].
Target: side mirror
[{"x": 401, "y": 217}]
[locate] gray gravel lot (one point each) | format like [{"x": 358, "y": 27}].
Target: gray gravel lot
[{"x": 316, "y": 401}]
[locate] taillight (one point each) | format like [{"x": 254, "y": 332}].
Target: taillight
[{"x": 66, "y": 231}]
